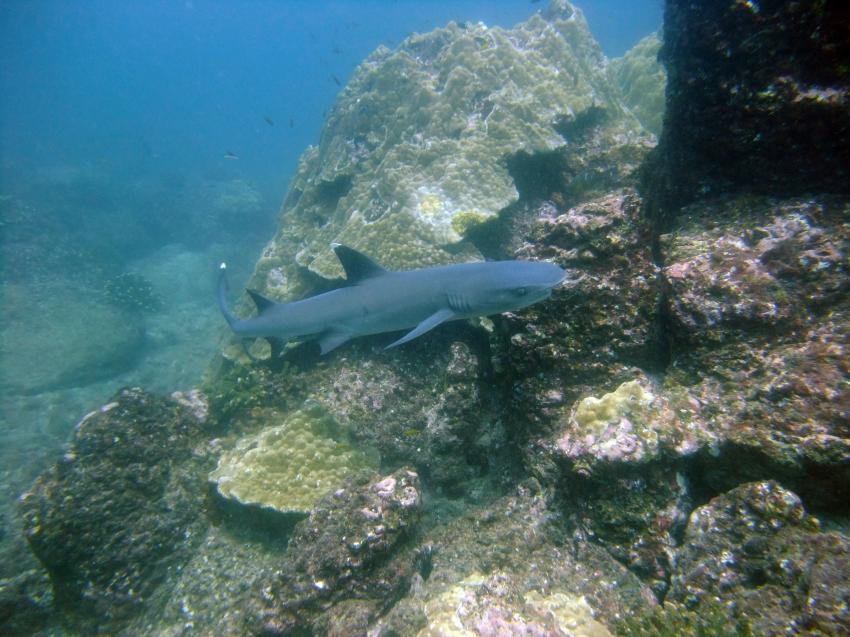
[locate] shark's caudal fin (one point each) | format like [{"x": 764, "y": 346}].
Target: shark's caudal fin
[{"x": 222, "y": 296}]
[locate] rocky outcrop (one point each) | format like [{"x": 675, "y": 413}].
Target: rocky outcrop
[
  {"x": 758, "y": 99},
  {"x": 343, "y": 567},
  {"x": 642, "y": 80},
  {"x": 511, "y": 568},
  {"x": 757, "y": 551},
  {"x": 119, "y": 510}
]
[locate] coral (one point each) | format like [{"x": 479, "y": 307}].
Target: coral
[
  {"x": 287, "y": 467},
  {"x": 468, "y": 609},
  {"x": 642, "y": 81}
]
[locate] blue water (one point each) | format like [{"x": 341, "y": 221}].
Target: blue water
[{"x": 172, "y": 85}]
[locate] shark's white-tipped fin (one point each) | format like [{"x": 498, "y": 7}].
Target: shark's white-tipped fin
[{"x": 223, "y": 266}]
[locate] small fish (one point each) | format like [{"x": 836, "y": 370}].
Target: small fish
[
  {"x": 291, "y": 122},
  {"x": 228, "y": 154},
  {"x": 336, "y": 80},
  {"x": 268, "y": 120}
]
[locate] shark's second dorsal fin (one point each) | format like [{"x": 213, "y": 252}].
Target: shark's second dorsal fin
[
  {"x": 260, "y": 301},
  {"x": 357, "y": 265}
]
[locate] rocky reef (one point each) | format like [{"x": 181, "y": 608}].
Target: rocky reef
[{"x": 660, "y": 448}]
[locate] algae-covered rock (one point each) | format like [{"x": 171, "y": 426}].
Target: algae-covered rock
[
  {"x": 121, "y": 508},
  {"x": 473, "y": 607},
  {"x": 615, "y": 462},
  {"x": 422, "y": 143},
  {"x": 346, "y": 563},
  {"x": 642, "y": 80},
  {"x": 759, "y": 322},
  {"x": 757, "y": 551},
  {"x": 429, "y": 405},
  {"x": 289, "y": 466},
  {"x": 599, "y": 324},
  {"x": 515, "y": 567}
]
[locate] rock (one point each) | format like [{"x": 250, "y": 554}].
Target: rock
[
  {"x": 759, "y": 323},
  {"x": 288, "y": 467},
  {"x": 63, "y": 335},
  {"x": 430, "y": 406},
  {"x": 757, "y": 100},
  {"x": 596, "y": 326},
  {"x": 345, "y": 564},
  {"x": 642, "y": 81},
  {"x": 512, "y": 568},
  {"x": 616, "y": 463},
  {"x": 756, "y": 551},
  {"x": 26, "y": 602},
  {"x": 431, "y": 140},
  {"x": 119, "y": 510}
]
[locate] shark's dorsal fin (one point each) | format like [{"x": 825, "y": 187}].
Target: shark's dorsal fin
[
  {"x": 357, "y": 265},
  {"x": 260, "y": 301}
]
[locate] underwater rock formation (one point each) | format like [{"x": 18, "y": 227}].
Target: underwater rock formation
[
  {"x": 431, "y": 140},
  {"x": 343, "y": 565},
  {"x": 631, "y": 440},
  {"x": 512, "y": 568},
  {"x": 759, "y": 322},
  {"x": 757, "y": 551},
  {"x": 642, "y": 81},
  {"x": 119, "y": 510},
  {"x": 758, "y": 98}
]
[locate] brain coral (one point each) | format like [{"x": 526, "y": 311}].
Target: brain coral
[{"x": 289, "y": 466}]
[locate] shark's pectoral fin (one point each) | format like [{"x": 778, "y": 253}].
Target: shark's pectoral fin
[
  {"x": 440, "y": 316},
  {"x": 331, "y": 340}
]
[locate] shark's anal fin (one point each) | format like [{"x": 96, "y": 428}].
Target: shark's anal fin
[
  {"x": 440, "y": 316},
  {"x": 260, "y": 301},
  {"x": 357, "y": 265},
  {"x": 331, "y": 340}
]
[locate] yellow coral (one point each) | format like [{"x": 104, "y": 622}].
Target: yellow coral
[
  {"x": 594, "y": 413},
  {"x": 463, "y": 220},
  {"x": 290, "y": 466}
]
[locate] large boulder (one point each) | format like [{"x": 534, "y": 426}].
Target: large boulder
[
  {"x": 120, "y": 510},
  {"x": 757, "y": 551},
  {"x": 513, "y": 568},
  {"x": 757, "y": 99}
]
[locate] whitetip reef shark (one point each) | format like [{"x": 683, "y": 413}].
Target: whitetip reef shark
[{"x": 376, "y": 300}]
